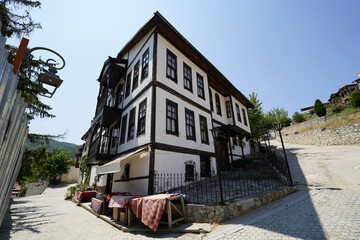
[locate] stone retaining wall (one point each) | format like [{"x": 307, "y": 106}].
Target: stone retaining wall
[
  {"x": 347, "y": 135},
  {"x": 208, "y": 214}
]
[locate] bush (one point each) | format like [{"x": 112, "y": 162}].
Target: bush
[
  {"x": 297, "y": 117},
  {"x": 337, "y": 108},
  {"x": 355, "y": 99},
  {"x": 285, "y": 122},
  {"x": 311, "y": 112},
  {"x": 319, "y": 108}
]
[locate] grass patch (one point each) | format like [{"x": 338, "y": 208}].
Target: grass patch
[{"x": 349, "y": 118}]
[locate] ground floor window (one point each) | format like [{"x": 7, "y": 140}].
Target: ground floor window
[
  {"x": 189, "y": 170},
  {"x": 205, "y": 168}
]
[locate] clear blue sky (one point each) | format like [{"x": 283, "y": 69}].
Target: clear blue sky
[{"x": 289, "y": 52}]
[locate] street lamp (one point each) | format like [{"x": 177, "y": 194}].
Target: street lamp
[
  {"x": 49, "y": 76},
  {"x": 278, "y": 128},
  {"x": 215, "y": 132}
]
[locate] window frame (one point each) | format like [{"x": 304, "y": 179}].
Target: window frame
[
  {"x": 228, "y": 109},
  {"x": 238, "y": 112},
  {"x": 145, "y": 65},
  {"x": 172, "y": 105},
  {"x": 141, "y": 118},
  {"x": 136, "y": 76},
  {"x": 123, "y": 129},
  {"x": 131, "y": 124},
  {"x": 188, "y": 124},
  {"x": 128, "y": 84},
  {"x": 187, "y": 79},
  {"x": 211, "y": 100},
  {"x": 200, "y": 87},
  {"x": 218, "y": 104},
  {"x": 172, "y": 68},
  {"x": 244, "y": 116},
  {"x": 203, "y": 129}
]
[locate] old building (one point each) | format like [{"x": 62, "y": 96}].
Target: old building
[{"x": 158, "y": 99}]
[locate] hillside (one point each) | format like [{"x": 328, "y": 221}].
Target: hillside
[{"x": 70, "y": 148}]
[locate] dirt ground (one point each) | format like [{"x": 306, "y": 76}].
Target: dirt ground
[{"x": 324, "y": 166}]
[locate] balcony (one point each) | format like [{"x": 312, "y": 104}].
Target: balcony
[
  {"x": 108, "y": 110},
  {"x": 102, "y": 149}
]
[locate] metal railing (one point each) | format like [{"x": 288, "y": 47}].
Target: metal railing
[
  {"x": 104, "y": 145},
  {"x": 236, "y": 184}
]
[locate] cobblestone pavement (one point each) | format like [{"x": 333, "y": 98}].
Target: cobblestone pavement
[
  {"x": 49, "y": 216},
  {"x": 322, "y": 214}
]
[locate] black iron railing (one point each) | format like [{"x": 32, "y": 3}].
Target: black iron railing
[
  {"x": 236, "y": 184},
  {"x": 104, "y": 145}
]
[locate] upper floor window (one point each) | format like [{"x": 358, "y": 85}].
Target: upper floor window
[
  {"x": 141, "y": 117},
  {"x": 244, "y": 116},
  {"x": 187, "y": 77},
  {"x": 123, "y": 129},
  {"x": 171, "y": 118},
  {"x": 136, "y": 75},
  {"x": 228, "y": 109},
  {"x": 190, "y": 124},
  {"x": 238, "y": 112},
  {"x": 128, "y": 85},
  {"x": 217, "y": 104},
  {"x": 131, "y": 128},
  {"x": 211, "y": 100},
  {"x": 204, "y": 130},
  {"x": 200, "y": 85},
  {"x": 171, "y": 66},
  {"x": 145, "y": 65}
]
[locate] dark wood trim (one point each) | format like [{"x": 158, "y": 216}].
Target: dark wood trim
[
  {"x": 138, "y": 95},
  {"x": 140, "y": 50},
  {"x": 232, "y": 110},
  {"x": 182, "y": 97},
  {"x": 171, "y": 148},
  {"x": 131, "y": 179},
  {"x": 217, "y": 122},
  {"x": 151, "y": 172},
  {"x": 153, "y": 97}
]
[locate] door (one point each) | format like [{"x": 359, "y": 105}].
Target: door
[
  {"x": 109, "y": 182},
  {"x": 223, "y": 152}
]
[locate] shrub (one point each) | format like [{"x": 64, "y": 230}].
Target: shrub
[
  {"x": 355, "y": 99},
  {"x": 311, "y": 112},
  {"x": 297, "y": 117},
  {"x": 319, "y": 108},
  {"x": 285, "y": 122},
  {"x": 337, "y": 108}
]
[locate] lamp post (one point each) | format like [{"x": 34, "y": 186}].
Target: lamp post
[
  {"x": 49, "y": 76},
  {"x": 278, "y": 128},
  {"x": 215, "y": 133}
]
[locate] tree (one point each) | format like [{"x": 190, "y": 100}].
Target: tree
[
  {"x": 355, "y": 99},
  {"x": 319, "y": 108},
  {"x": 15, "y": 23},
  {"x": 277, "y": 115},
  {"x": 256, "y": 116},
  {"x": 297, "y": 117}
]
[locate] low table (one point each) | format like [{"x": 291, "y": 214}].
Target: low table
[{"x": 86, "y": 196}]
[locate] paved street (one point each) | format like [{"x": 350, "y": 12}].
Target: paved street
[{"x": 328, "y": 209}]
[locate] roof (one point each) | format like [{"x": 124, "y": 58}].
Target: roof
[
  {"x": 357, "y": 80},
  {"x": 216, "y": 79}
]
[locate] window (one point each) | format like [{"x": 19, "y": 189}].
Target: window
[
  {"x": 171, "y": 118},
  {"x": 187, "y": 77},
  {"x": 126, "y": 174},
  {"x": 244, "y": 116},
  {"x": 234, "y": 141},
  {"x": 205, "y": 168},
  {"x": 145, "y": 65},
  {"x": 204, "y": 130},
  {"x": 123, "y": 129},
  {"x": 190, "y": 125},
  {"x": 136, "y": 76},
  {"x": 211, "y": 100},
  {"x": 131, "y": 128},
  {"x": 141, "y": 117},
  {"x": 189, "y": 170},
  {"x": 200, "y": 85},
  {"x": 228, "y": 109},
  {"x": 171, "y": 69},
  {"x": 128, "y": 84},
  {"x": 238, "y": 112},
  {"x": 217, "y": 104}
]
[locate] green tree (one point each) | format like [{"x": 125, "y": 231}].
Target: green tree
[
  {"x": 13, "y": 21},
  {"x": 319, "y": 108},
  {"x": 277, "y": 115},
  {"x": 297, "y": 117},
  {"x": 355, "y": 99},
  {"x": 256, "y": 116}
]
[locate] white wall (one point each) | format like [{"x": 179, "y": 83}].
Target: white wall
[
  {"x": 180, "y": 140},
  {"x": 241, "y": 124},
  {"x": 223, "y": 118},
  {"x": 92, "y": 174}
]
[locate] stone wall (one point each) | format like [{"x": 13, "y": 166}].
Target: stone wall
[
  {"x": 221, "y": 213},
  {"x": 347, "y": 135}
]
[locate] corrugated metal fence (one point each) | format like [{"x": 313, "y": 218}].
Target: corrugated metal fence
[{"x": 13, "y": 129}]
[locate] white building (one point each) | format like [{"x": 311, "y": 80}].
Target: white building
[{"x": 158, "y": 100}]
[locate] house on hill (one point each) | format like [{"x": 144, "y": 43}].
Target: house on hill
[
  {"x": 342, "y": 95},
  {"x": 158, "y": 101}
]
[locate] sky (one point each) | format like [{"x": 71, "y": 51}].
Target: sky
[{"x": 288, "y": 52}]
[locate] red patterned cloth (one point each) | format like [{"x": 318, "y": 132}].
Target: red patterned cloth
[
  {"x": 121, "y": 200},
  {"x": 150, "y": 209},
  {"x": 86, "y": 196}
]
